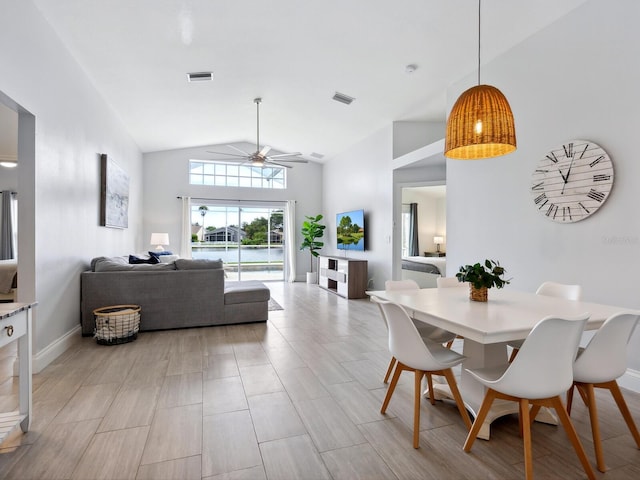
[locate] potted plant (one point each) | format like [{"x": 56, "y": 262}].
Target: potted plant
[
  {"x": 481, "y": 278},
  {"x": 311, "y": 231}
]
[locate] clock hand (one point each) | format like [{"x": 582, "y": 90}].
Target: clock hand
[
  {"x": 566, "y": 179},
  {"x": 563, "y": 177}
]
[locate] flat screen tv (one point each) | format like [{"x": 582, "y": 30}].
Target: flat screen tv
[{"x": 350, "y": 230}]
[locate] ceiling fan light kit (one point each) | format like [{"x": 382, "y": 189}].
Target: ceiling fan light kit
[
  {"x": 481, "y": 123},
  {"x": 260, "y": 157}
]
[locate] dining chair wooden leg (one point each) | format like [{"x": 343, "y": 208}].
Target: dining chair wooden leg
[
  {"x": 477, "y": 423},
  {"x": 525, "y": 425},
  {"x": 595, "y": 426},
  {"x": 573, "y": 436},
  {"x": 392, "y": 363},
  {"x": 570, "y": 399},
  {"x": 514, "y": 352},
  {"x": 535, "y": 409},
  {"x": 432, "y": 397},
  {"x": 416, "y": 408},
  {"x": 624, "y": 410},
  {"x": 392, "y": 386},
  {"x": 453, "y": 386}
]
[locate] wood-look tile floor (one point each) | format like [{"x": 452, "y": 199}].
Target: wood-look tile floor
[{"x": 295, "y": 398}]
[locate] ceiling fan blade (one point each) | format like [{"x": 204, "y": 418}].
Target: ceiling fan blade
[
  {"x": 236, "y": 158},
  {"x": 228, "y": 154},
  {"x": 246, "y": 154},
  {"x": 264, "y": 151},
  {"x": 281, "y": 155},
  {"x": 267, "y": 162},
  {"x": 291, "y": 160}
]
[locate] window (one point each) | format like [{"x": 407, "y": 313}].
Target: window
[{"x": 221, "y": 174}]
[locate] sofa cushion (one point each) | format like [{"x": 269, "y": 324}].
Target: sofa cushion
[
  {"x": 197, "y": 264},
  {"x": 245, "y": 292},
  {"x": 116, "y": 264}
]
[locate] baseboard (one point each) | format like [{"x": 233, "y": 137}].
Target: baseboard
[
  {"x": 630, "y": 380},
  {"x": 56, "y": 348}
]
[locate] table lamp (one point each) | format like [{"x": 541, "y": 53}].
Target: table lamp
[
  {"x": 436, "y": 240},
  {"x": 159, "y": 239}
]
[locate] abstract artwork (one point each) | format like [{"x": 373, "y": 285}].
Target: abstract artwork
[{"x": 114, "y": 194}]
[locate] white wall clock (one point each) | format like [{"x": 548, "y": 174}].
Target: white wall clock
[{"x": 572, "y": 181}]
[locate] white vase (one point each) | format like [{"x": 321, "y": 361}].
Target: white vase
[{"x": 312, "y": 277}]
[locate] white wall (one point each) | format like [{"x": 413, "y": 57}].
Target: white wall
[
  {"x": 577, "y": 79},
  {"x": 360, "y": 179},
  {"x": 167, "y": 177},
  {"x": 59, "y": 186}
]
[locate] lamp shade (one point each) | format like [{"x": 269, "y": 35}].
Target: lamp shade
[
  {"x": 438, "y": 240},
  {"x": 159, "y": 239},
  {"x": 480, "y": 125}
]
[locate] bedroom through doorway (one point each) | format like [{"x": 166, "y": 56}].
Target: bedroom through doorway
[{"x": 424, "y": 228}]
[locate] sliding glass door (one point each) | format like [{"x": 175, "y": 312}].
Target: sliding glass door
[{"x": 248, "y": 238}]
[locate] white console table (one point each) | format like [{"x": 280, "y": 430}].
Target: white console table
[{"x": 15, "y": 324}]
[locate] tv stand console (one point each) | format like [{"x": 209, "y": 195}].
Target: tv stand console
[{"x": 346, "y": 277}]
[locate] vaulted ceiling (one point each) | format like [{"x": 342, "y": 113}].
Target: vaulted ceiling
[{"x": 294, "y": 54}]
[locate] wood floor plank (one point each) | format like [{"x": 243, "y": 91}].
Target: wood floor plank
[
  {"x": 182, "y": 389},
  {"x": 359, "y": 462},
  {"x": 221, "y": 395},
  {"x": 134, "y": 406},
  {"x": 175, "y": 433},
  {"x": 112, "y": 455},
  {"x": 189, "y": 468},
  {"x": 274, "y": 417},
  {"x": 91, "y": 401},
  {"x": 293, "y": 458},
  {"x": 229, "y": 443},
  {"x": 259, "y": 379}
]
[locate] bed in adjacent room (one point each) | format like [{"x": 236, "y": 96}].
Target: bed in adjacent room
[{"x": 424, "y": 270}]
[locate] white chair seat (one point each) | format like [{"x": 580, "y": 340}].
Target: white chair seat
[{"x": 434, "y": 334}]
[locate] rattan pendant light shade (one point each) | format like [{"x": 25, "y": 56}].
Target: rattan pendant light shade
[{"x": 480, "y": 125}]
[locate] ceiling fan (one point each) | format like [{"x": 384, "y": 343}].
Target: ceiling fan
[{"x": 260, "y": 157}]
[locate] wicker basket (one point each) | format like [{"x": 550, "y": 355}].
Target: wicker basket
[
  {"x": 478, "y": 294},
  {"x": 117, "y": 324}
]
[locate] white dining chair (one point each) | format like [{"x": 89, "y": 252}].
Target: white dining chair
[
  {"x": 599, "y": 365},
  {"x": 422, "y": 358},
  {"x": 542, "y": 371},
  {"x": 427, "y": 332},
  {"x": 550, "y": 289}
]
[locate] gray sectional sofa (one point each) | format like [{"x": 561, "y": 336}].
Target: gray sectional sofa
[{"x": 184, "y": 293}]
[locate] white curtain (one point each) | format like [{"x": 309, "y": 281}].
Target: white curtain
[
  {"x": 8, "y": 226},
  {"x": 290, "y": 241},
  {"x": 185, "y": 233}
]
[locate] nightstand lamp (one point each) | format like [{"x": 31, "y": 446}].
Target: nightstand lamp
[
  {"x": 159, "y": 239},
  {"x": 436, "y": 240}
]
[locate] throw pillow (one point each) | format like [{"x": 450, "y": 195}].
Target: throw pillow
[
  {"x": 197, "y": 264},
  {"x": 134, "y": 260}
]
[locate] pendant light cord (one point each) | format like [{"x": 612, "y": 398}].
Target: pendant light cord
[{"x": 479, "y": 10}]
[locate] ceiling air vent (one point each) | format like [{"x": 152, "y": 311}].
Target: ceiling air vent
[
  {"x": 317, "y": 155},
  {"x": 342, "y": 98},
  {"x": 200, "y": 77}
]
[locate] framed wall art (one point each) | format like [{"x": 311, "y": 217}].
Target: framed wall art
[{"x": 114, "y": 194}]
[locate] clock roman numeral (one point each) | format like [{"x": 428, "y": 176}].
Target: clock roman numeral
[
  {"x": 583, "y": 207},
  {"x": 537, "y": 186},
  {"x": 585, "y": 149},
  {"x": 552, "y": 157},
  {"x": 540, "y": 198},
  {"x": 542, "y": 171},
  {"x": 566, "y": 212},
  {"x": 596, "y": 161},
  {"x": 552, "y": 210},
  {"x": 595, "y": 195},
  {"x": 601, "y": 178},
  {"x": 568, "y": 150}
]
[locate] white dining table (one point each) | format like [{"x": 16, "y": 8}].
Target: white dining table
[{"x": 487, "y": 327}]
